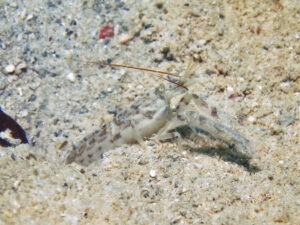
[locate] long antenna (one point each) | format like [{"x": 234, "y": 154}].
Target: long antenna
[
  {"x": 132, "y": 67},
  {"x": 101, "y": 63}
]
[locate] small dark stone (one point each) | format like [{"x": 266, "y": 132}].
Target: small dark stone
[
  {"x": 73, "y": 23},
  {"x": 13, "y": 157}
]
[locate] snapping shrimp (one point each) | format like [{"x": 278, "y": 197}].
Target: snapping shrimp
[{"x": 154, "y": 115}]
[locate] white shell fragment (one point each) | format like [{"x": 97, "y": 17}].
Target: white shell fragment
[
  {"x": 10, "y": 68},
  {"x": 71, "y": 77},
  {"x": 152, "y": 173}
]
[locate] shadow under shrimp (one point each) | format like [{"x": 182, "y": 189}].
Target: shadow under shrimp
[
  {"x": 223, "y": 152},
  {"x": 227, "y": 156}
]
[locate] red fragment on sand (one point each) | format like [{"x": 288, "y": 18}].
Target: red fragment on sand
[{"x": 106, "y": 32}]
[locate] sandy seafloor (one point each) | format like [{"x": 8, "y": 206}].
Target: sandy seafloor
[{"x": 248, "y": 66}]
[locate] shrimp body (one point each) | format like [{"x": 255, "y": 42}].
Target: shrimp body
[
  {"x": 140, "y": 121},
  {"x": 153, "y": 114}
]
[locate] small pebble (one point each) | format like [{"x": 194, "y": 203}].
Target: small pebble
[
  {"x": 251, "y": 119},
  {"x": 124, "y": 38},
  {"x": 71, "y": 77},
  {"x": 21, "y": 67},
  {"x": 152, "y": 173},
  {"x": 10, "y": 69},
  {"x": 202, "y": 42},
  {"x": 12, "y": 78},
  {"x": 230, "y": 89},
  {"x": 140, "y": 87},
  {"x": 16, "y": 184},
  {"x": 23, "y": 113},
  {"x": 29, "y": 17}
]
